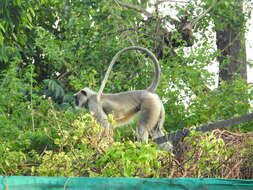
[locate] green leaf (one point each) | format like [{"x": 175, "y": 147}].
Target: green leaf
[
  {"x": 1, "y": 39},
  {"x": 31, "y": 11},
  {"x": 2, "y": 28}
]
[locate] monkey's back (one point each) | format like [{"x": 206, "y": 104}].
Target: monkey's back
[{"x": 126, "y": 103}]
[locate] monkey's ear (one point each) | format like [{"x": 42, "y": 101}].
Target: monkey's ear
[{"x": 84, "y": 92}]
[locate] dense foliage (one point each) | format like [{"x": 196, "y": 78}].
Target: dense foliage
[{"x": 49, "y": 49}]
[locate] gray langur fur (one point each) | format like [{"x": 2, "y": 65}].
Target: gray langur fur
[{"x": 124, "y": 106}]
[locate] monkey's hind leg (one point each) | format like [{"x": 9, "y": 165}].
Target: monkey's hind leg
[
  {"x": 149, "y": 116},
  {"x": 157, "y": 131}
]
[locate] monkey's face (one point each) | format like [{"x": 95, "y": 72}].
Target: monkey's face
[{"x": 81, "y": 99}]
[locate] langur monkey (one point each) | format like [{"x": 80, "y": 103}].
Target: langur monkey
[{"x": 125, "y": 105}]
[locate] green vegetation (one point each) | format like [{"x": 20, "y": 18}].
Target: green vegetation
[{"x": 49, "y": 49}]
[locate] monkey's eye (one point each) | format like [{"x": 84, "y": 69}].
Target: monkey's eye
[{"x": 84, "y": 92}]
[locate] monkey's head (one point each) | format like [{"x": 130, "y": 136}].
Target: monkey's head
[{"x": 82, "y": 97}]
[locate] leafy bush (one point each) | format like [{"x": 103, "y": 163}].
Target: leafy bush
[{"x": 129, "y": 159}]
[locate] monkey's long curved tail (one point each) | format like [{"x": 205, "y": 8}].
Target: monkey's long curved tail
[{"x": 156, "y": 79}]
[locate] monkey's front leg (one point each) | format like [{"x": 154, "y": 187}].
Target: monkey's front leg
[
  {"x": 101, "y": 117},
  {"x": 106, "y": 125},
  {"x": 103, "y": 121}
]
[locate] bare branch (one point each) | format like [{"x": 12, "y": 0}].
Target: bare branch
[
  {"x": 196, "y": 20},
  {"x": 171, "y": 1},
  {"x": 64, "y": 75},
  {"x": 180, "y": 134},
  {"x": 231, "y": 42},
  {"x": 120, "y": 31},
  {"x": 139, "y": 9}
]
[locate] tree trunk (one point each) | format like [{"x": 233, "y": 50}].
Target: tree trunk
[{"x": 231, "y": 42}]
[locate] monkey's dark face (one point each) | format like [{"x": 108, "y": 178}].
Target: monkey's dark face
[{"x": 81, "y": 99}]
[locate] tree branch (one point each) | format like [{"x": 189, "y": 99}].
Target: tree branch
[
  {"x": 64, "y": 75},
  {"x": 179, "y": 135},
  {"x": 196, "y": 20},
  {"x": 139, "y": 9},
  {"x": 172, "y": 1},
  {"x": 120, "y": 31}
]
